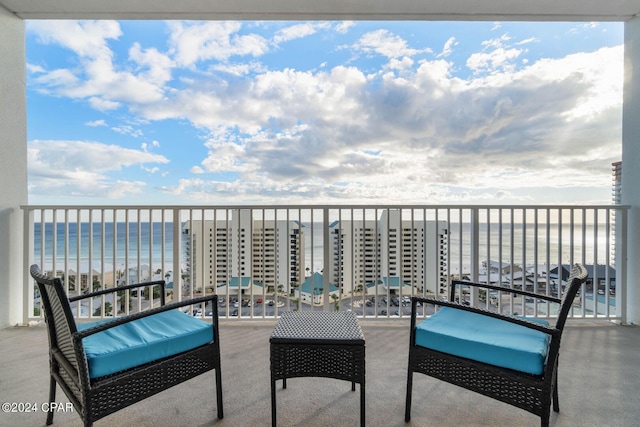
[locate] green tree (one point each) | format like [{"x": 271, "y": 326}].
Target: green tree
[
  {"x": 156, "y": 292},
  {"x": 336, "y": 304},
  {"x": 107, "y": 310},
  {"x": 123, "y": 301}
]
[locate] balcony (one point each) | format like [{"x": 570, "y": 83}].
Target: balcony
[
  {"x": 597, "y": 385},
  {"x": 134, "y": 243}
]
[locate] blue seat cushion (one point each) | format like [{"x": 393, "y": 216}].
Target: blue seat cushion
[
  {"x": 142, "y": 341},
  {"x": 485, "y": 339}
]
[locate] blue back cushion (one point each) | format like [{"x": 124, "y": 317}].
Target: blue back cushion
[
  {"x": 143, "y": 341},
  {"x": 485, "y": 339}
]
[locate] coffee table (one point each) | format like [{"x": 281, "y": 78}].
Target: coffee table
[{"x": 317, "y": 344}]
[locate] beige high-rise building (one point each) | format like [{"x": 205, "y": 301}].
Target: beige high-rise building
[
  {"x": 413, "y": 252},
  {"x": 268, "y": 252}
]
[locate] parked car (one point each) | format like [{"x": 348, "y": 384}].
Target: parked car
[
  {"x": 270, "y": 302},
  {"x": 259, "y": 301},
  {"x": 383, "y": 312},
  {"x": 234, "y": 312}
]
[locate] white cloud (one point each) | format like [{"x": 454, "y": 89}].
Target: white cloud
[
  {"x": 96, "y": 123},
  {"x": 146, "y": 146},
  {"x": 343, "y": 27},
  {"x": 497, "y": 59},
  {"x": 294, "y": 32},
  {"x": 383, "y": 42},
  {"x": 156, "y": 67},
  {"x": 95, "y": 77},
  {"x": 498, "y": 56},
  {"x": 103, "y": 104},
  {"x": 239, "y": 69},
  {"x": 448, "y": 47},
  {"x": 152, "y": 170},
  {"x": 80, "y": 168},
  {"x": 33, "y": 68},
  {"x": 200, "y": 41},
  {"x": 85, "y": 38},
  {"x": 57, "y": 78},
  {"x": 127, "y": 130},
  {"x": 527, "y": 41}
]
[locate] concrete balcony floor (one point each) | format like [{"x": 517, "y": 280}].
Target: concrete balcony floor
[{"x": 599, "y": 379}]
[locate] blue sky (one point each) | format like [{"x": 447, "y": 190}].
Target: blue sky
[{"x": 184, "y": 112}]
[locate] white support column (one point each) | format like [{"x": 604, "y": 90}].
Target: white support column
[
  {"x": 630, "y": 163},
  {"x": 13, "y": 165}
]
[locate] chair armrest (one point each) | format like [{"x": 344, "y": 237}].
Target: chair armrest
[
  {"x": 509, "y": 290},
  {"x": 160, "y": 283},
  {"x": 506, "y": 317},
  {"x": 79, "y": 335}
]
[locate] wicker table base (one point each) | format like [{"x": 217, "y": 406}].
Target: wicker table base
[{"x": 317, "y": 344}]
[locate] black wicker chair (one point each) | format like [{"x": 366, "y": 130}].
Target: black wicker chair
[
  {"x": 532, "y": 392},
  {"x": 95, "y": 395}
]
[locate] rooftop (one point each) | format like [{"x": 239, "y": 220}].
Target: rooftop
[{"x": 597, "y": 383}]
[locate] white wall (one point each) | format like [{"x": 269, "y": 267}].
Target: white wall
[
  {"x": 13, "y": 165},
  {"x": 630, "y": 163}
]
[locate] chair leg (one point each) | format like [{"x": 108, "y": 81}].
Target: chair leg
[
  {"x": 544, "y": 420},
  {"x": 554, "y": 387},
  {"x": 219, "y": 392},
  {"x": 52, "y": 398},
  {"x": 407, "y": 411}
]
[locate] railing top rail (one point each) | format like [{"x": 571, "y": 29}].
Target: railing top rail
[{"x": 331, "y": 206}]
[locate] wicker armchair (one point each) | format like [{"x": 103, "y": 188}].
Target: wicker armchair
[
  {"x": 99, "y": 378},
  {"x": 517, "y": 364}
]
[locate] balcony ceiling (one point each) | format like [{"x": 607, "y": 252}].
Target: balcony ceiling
[{"x": 460, "y": 10}]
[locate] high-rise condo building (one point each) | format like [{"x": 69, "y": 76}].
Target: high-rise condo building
[
  {"x": 269, "y": 252},
  {"x": 372, "y": 251}
]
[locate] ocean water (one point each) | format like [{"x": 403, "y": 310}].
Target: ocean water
[
  {"x": 86, "y": 241},
  {"x": 549, "y": 245}
]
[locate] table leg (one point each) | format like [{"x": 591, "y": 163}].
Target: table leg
[
  {"x": 273, "y": 402},
  {"x": 362, "y": 405}
]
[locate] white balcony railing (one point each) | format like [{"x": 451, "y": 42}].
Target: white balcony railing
[{"x": 266, "y": 259}]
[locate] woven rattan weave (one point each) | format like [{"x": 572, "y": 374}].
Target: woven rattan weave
[
  {"x": 318, "y": 344},
  {"x": 98, "y": 397},
  {"x": 533, "y": 393}
]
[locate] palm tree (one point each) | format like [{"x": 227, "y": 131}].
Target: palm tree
[{"x": 335, "y": 298}]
